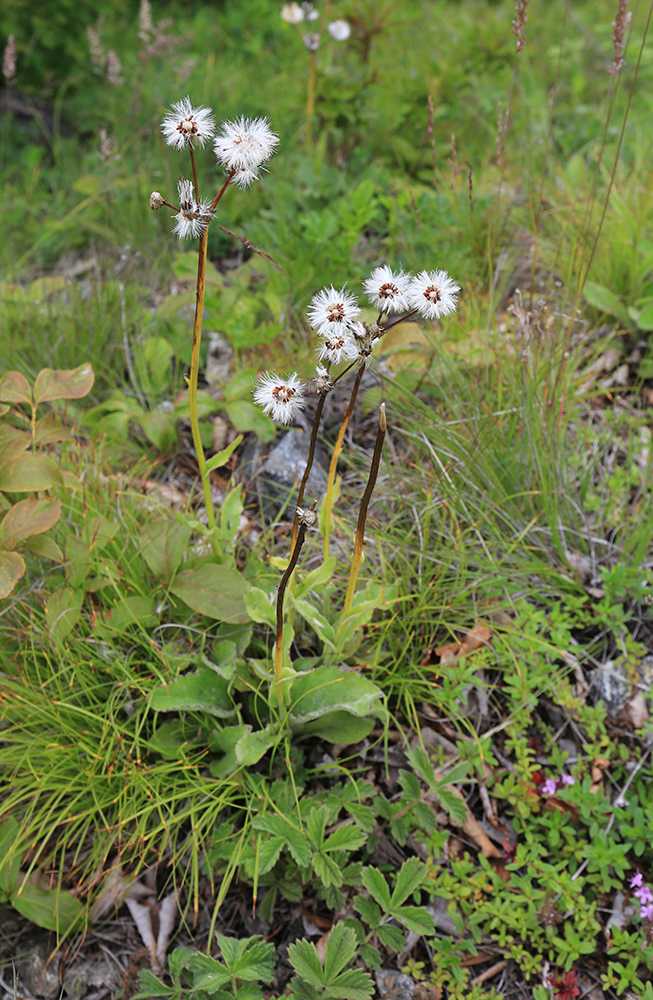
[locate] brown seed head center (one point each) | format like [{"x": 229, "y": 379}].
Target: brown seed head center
[
  {"x": 283, "y": 393},
  {"x": 336, "y": 312},
  {"x": 188, "y": 126},
  {"x": 336, "y": 344},
  {"x": 432, "y": 294},
  {"x": 388, "y": 291}
]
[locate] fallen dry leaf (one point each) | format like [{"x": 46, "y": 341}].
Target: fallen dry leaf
[
  {"x": 478, "y": 638},
  {"x": 598, "y": 767},
  {"x": 473, "y": 830}
]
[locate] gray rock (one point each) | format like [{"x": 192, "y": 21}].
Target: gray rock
[
  {"x": 37, "y": 970},
  {"x": 395, "y": 985},
  {"x": 275, "y": 477},
  {"x": 614, "y": 685}
]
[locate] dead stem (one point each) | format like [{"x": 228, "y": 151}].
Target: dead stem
[{"x": 337, "y": 449}]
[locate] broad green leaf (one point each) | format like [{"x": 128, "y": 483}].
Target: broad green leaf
[
  {"x": 339, "y": 727},
  {"x": 346, "y": 838},
  {"x": 55, "y": 910},
  {"x": 14, "y": 388},
  {"x": 644, "y": 317},
  {"x": 416, "y": 918},
  {"x": 316, "y": 620},
  {"x": 392, "y": 937},
  {"x": 213, "y": 590},
  {"x": 222, "y": 457},
  {"x": 202, "y": 691},
  {"x": 248, "y": 958},
  {"x": 604, "y": 300},
  {"x": 326, "y": 869},
  {"x": 151, "y": 987},
  {"x": 377, "y": 886},
  {"x": 163, "y": 543},
  {"x": 160, "y": 429},
  {"x": 306, "y": 962},
  {"x": 50, "y": 429},
  {"x": 269, "y": 852},
  {"x": 126, "y": 611},
  {"x": 411, "y": 875},
  {"x": 316, "y": 578},
  {"x": 71, "y": 384},
  {"x": 251, "y": 747},
  {"x": 100, "y": 531},
  {"x": 453, "y": 804},
  {"x": 62, "y": 612},
  {"x": 206, "y": 404},
  {"x": 246, "y": 416},
  {"x": 340, "y": 951},
  {"x": 177, "y": 960},
  {"x": 26, "y": 518},
  {"x": 13, "y": 440},
  {"x": 259, "y": 607},
  {"x": 158, "y": 353},
  {"x": 230, "y": 512},
  {"x": 240, "y": 384},
  {"x": 326, "y": 689},
  {"x": 28, "y": 473},
  {"x": 78, "y": 561},
  {"x": 12, "y": 568},
  {"x": 368, "y": 910}
]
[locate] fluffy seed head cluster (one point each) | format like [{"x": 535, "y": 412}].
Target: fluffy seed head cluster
[
  {"x": 433, "y": 294},
  {"x": 332, "y": 312},
  {"x": 339, "y": 30},
  {"x": 281, "y": 397},
  {"x": 386, "y": 289},
  {"x": 292, "y": 13},
  {"x": 244, "y": 145},
  {"x": 194, "y": 216},
  {"x": 619, "y": 25},
  {"x": 185, "y": 125},
  {"x": 311, "y": 41}
]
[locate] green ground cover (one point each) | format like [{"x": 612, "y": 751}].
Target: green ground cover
[{"x": 408, "y": 796}]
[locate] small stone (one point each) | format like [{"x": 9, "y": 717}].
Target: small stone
[{"x": 395, "y": 985}]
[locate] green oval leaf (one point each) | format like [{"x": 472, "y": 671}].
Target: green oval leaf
[
  {"x": 14, "y": 388},
  {"x": 56, "y": 910},
  {"x": 204, "y": 691},
  {"x": 12, "y": 567},
  {"x": 72, "y": 383},
  {"x": 215, "y": 591},
  {"x": 27, "y": 518},
  {"x": 328, "y": 689},
  {"x": 163, "y": 544},
  {"x": 29, "y": 473}
]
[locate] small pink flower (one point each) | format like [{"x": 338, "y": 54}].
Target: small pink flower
[
  {"x": 646, "y": 912},
  {"x": 644, "y": 895},
  {"x": 636, "y": 881},
  {"x": 549, "y": 787},
  {"x": 567, "y": 779}
]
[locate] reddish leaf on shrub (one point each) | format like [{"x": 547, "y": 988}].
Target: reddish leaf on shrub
[
  {"x": 27, "y": 518},
  {"x": 12, "y": 567},
  {"x": 72, "y": 383},
  {"x": 14, "y": 388}
]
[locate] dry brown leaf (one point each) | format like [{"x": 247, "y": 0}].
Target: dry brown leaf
[
  {"x": 320, "y": 947},
  {"x": 636, "y": 710},
  {"x": 478, "y": 638},
  {"x": 473, "y": 830},
  {"x": 598, "y": 767}
]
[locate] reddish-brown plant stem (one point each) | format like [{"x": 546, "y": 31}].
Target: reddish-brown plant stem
[{"x": 337, "y": 448}]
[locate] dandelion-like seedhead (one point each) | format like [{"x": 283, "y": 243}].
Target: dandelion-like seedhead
[
  {"x": 292, "y": 13},
  {"x": 311, "y": 41},
  {"x": 306, "y": 516},
  {"x": 433, "y": 294},
  {"x": 280, "y": 397},
  {"x": 323, "y": 381},
  {"x": 332, "y": 312},
  {"x": 310, "y": 12},
  {"x": 386, "y": 289},
  {"x": 185, "y": 125},
  {"x": 244, "y": 145},
  {"x": 336, "y": 348},
  {"x": 156, "y": 201},
  {"x": 194, "y": 216},
  {"x": 339, "y": 30}
]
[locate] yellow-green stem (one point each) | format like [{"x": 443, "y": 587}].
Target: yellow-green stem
[
  {"x": 362, "y": 514},
  {"x": 194, "y": 372},
  {"x": 337, "y": 449},
  {"x": 281, "y": 593}
]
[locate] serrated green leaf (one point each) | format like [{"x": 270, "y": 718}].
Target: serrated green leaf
[
  {"x": 454, "y": 805},
  {"x": 416, "y": 918},
  {"x": 391, "y": 937},
  {"x": 377, "y": 886},
  {"x": 363, "y": 815},
  {"x": 353, "y": 984},
  {"x": 368, "y": 910},
  {"x": 422, "y": 765},
  {"x": 346, "y": 838},
  {"x": 177, "y": 960},
  {"x": 316, "y": 824},
  {"x": 268, "y": 853},
  {"x": 326, "y": 869},
  {"x": 370, "y": 955},
  {"x": 340, "y": 950},
  {"x": 247, "y": 958},
  {"x": 411, "y": 875},
  {"x": 150, "y": 986},
  {"x": 306, "y": 962}
]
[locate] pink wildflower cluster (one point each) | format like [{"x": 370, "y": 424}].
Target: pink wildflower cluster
[
  {"x": 551, "y": 785},
  {"x": 644, "y": 895}
]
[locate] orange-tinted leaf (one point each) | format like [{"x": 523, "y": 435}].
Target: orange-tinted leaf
[
  {"x": 478, "y": 638},
  {"x": 50, "y": 429},
  {"x": 14, "y": 388},
  {"x": 28, "y": 473},
  {"x": 43, "y": 545},
  {"x": 27, "y": 518},
  {"x": 72, "y": 383},
  {"x": 13, "y": 440},
  {"x": 12, "y": 567}
]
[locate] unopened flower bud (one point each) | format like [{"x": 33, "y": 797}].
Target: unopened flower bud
[
  {"x": 306, "y": 517},
  {"x": 156, "y": 201}
]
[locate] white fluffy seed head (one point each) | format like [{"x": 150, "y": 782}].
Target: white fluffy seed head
[
  {"x": 245, "y": 144},
  {"x": 433, "y": 294},
  {"x": 292, "y": 13},
  {"x": 185, "y": 125},
  {"x": 281, "y": 397},
  {"x": 386, "y": 289},
  {"x": 331, "y": 312},
  {"x": 194, "y": 216},
  {"x": 339, "y": 30}
]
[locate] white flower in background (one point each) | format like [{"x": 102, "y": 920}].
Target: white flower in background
[
  {"x": 292, "y": 13},
  {"x": 433, "y": 294},
  {"x": 194, "y": 216},
  {"x": 281, "y": 397},
  {"x": 311, "y": 41},
  {"x": 185, "y": 125},
  {"x": 114, "y": 69},
  {"x": 336, "y": 348},
  {"x": 244, "y": 145},
  {"x": 339, "y": 30},
  {"x": 310, "y": 12},
  {"x": 331, "y": 312},
  {"x": 386, "y": 289}
]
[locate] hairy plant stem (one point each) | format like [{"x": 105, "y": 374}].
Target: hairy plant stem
[
  {"x": 309, "y": 465},
  {"x": 362, "y": 514},
  {"x": 310, "y": 100},
  {"x": 337, "y": 449},
  {"x": 281, "y": 593},
  {"x": 194, "y": 372}
]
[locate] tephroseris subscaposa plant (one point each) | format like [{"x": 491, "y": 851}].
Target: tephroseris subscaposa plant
[
  {"x": 242, "y": 148},
  {"x": 344, "y": 339}
]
